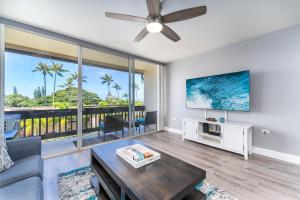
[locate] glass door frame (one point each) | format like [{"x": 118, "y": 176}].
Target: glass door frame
[
  {"x": 131, "y": 92},
  {"x": 160, "y": 90},
  {"x": 79, "y": 101},
  {"x": 131, "y": 96},
  {"x": 2, "y": 76}
]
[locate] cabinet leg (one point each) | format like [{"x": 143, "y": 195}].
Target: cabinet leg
[
  {"x": 250, "y": 150},
  {"x": 246, "y": 155},
  {"x": 250, "y": 142}
]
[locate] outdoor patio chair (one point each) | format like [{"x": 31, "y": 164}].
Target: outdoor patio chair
[
  {"x": 11, "y": 126},
  {"x": 111, "y": 124},
  {"x": 150, "y": 119},
  {"x": 136, "y": 125}
]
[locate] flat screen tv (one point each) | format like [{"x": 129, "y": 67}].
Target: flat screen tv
[{"x": 220, "y": 92}]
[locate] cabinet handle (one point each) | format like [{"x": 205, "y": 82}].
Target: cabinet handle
[{"x": 196, "y": 130}]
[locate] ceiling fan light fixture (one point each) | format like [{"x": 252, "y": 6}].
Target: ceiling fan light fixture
[
  {"x": 155, "y": 22},
  {"x": 154, "y": 27}
]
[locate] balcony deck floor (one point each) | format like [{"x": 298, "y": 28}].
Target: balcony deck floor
[{"x": 60, "y": 146}]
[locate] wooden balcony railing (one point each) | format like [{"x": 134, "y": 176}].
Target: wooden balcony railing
[{"x": 63, "y": 122}]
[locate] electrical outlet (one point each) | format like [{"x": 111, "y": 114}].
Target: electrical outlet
[{"x": 266, "y": 131}]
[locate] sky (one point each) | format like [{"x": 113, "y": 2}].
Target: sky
[{"x": 18, "y": 73}]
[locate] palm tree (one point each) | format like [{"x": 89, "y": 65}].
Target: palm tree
[
  {"x": 67, "y": 86},
  {"x": 136, "y": 88},
  {"x": 142, "y": 78},
  {"x": 58, "y": 70},
  {"x": 107, "y": 79},
  {"x": 125, "y": 96},
  {"x": 45, "y": 70},
  {"x": 74, "y": 76},
  {"x": 117, "y": 87}
]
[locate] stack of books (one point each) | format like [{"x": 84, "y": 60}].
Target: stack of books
[{"x": 138, "y": 155}]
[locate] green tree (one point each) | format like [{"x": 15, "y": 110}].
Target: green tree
[
  {"x": 17, "y": 100},
  {"x": 57, "y": 70},
  {"x": 45, "y": 70},
  {"x": 43, "y": 91},
  {"x": 15, "y": 91},
  {"x": 136, "y": 88},
  {"x": 68, "y": 98},
  {"x": 37, "y": 93},
  {"x": 107, "y": 79},
  {"x": 74, "y": 76},
  {"x": 67, "y": 86},
  {"x": 117, "y": 87}
]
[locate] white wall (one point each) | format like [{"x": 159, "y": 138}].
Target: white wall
[
  {"x": 150, "y": 90},
  {"x": 274, "y": 64}
]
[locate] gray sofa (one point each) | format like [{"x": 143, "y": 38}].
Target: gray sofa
[{"x": 23, "y": 181}]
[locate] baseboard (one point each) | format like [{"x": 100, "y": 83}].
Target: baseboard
[
  {"x": 258, "y": 150},
  {"x": 277, "y": 155},
  {"x": 173, "y": 130}
]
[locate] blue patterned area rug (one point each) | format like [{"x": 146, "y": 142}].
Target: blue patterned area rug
[{"x": 75, "y": 185}]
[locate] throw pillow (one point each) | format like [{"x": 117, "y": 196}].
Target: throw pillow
[{"x": 5, "y": 160}]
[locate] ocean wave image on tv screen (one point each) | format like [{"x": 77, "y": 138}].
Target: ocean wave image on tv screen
[{"x": 221, "y": 92}]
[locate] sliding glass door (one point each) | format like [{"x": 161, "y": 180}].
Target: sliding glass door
[
  {"x": 40, "y": 90},
  {"x": 105, "y": 97},
  {"x": 145, "y": 97}
]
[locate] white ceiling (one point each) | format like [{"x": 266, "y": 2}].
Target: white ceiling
[{"x": 226, "y": 22}]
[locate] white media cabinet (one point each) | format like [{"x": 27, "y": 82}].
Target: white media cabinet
[{"x": 234, "y": 137}]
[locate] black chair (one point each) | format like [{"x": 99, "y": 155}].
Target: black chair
[
  {"x": 136, "y": 125},
  {"x": 111, "y": 124},
  {"x": 150, "y": 119}
]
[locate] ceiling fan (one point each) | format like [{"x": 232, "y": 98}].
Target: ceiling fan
[{"x": 155, "y": 22}]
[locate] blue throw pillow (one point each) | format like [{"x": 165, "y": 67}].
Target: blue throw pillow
[{"x": 141, "y": 120}]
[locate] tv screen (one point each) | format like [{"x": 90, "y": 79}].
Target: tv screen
[{"x": 220, "y": 92}]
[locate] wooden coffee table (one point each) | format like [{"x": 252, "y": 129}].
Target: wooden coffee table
[{"x": 167, "y": 178}]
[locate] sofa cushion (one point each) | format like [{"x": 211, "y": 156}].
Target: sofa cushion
[
  {"x": 5, "y": 160},
  {"x": 22, "y": 169},
  {"x": 24, "y": 147},
  {"x": 30, "y": 188}
]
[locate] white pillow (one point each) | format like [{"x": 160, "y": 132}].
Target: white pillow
[{"x": 5, "y": 160}]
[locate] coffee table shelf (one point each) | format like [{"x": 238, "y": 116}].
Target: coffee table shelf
[{"x": 111, "y": 188}]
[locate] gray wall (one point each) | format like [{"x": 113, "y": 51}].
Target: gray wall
[{"x": 274, "y": 64}]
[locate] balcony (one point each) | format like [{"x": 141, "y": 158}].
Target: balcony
[{"x": 58, "y": 127}]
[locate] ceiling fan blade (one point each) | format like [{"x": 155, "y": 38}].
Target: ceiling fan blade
[
  {"x": 141, "y": 35},
  {"x": 125, "y": 17},
  {"x": 153, "y": 7},
  {"x": 169, "y": 33},
  {"x": 184, "y": 14}
]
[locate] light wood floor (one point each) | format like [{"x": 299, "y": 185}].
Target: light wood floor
[{"x": 258, "y": 178}]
